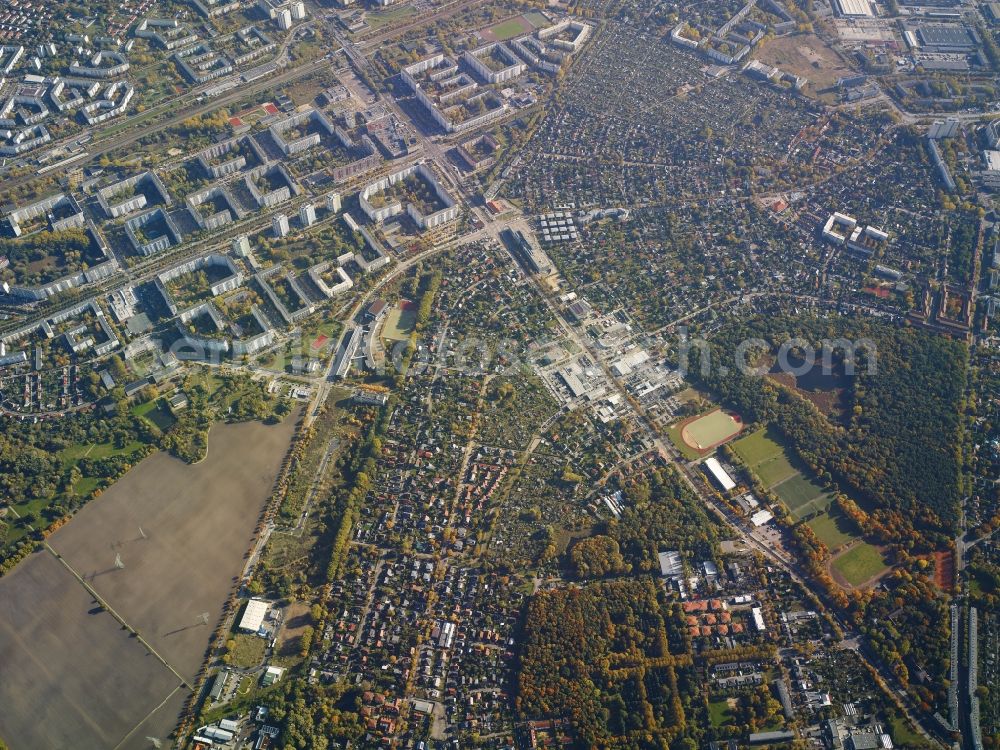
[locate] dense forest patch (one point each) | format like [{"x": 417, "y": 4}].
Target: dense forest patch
[{"x": 899, "y": 449}]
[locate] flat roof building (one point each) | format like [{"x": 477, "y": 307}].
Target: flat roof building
[
  {"x": 771, "y": 738},
  {"x": 758, "y": 619},
  {"x": 670, "y": 564},
  {"x": 254, "y": 614},
  {"x": 854, "y": 8},
  {"x": 719, "y": 474}
]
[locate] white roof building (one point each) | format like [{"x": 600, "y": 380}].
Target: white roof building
[
  {"x": 670, "y": 564},
  {"x": 721, "y": 475},
  {"x": 254, "y": 614},
  {"x": 761, "y": 517},
  {"x": 854, "y": 8}
]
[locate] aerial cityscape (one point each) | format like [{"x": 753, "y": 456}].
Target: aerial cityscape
[{"x": 499, "y": 374}]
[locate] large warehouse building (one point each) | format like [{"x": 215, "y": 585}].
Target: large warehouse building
[
  {"x": 719, "y": 474},
  {"x": 253, "y": 615},
  {"x": 854, "y": 8}
]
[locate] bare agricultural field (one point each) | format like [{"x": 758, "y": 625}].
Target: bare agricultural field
[
  {"x": 805, "y": 55},
  {"x": 197, "y": 522},
  {"x": 72, "y": 677}
]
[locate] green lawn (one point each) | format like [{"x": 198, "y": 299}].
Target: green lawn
[
  {"x": 329, "y": 328},
  {"x": 204, "y": 377},
  {"x": 801, "y": 496},
  {"x": 245, "y": 686},
  {"x": 774, "y": 470},
  {"x": 155, "y": 412},
  {"x": 73, "y": 453},
  {"x": 86, "y": 485},
  {"x": 718, "y": 712},
  {"x": 758, "y": 447},
  {"x": 399, "y": 324},
  {"x": 379, "y": 19},
  {"x": 860, "y": 563},
  {"x": 903, "y": 734},
  {"x": 833, "y": 528},
  {"x": 509, "y": 29},
  {"x": 674, "y": 433},
  {"x": 278, "y": 360}
]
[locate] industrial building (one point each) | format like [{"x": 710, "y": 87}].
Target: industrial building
[
  {"x": 719, "y": 474},
  {"x": 254, "y": 614},
  {"x": 854, "y": 8}
]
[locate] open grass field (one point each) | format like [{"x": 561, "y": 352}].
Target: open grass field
[
  {"x": 247, "y": 651},
  {"x": 399, "y": 324},
  {"x": 392, "y": 14},
  {"x": 719, "y": 713},
  {"x": 71, "y": 676},
  {"x": 833, "y": 528},
  {"x": 156, "y": 412},
  {"x": 758, "y": 447},
  {"x": 73, "y": 453},
  {"x": 775, "y": 470},
  {"x": 775, "y": 467},
  {"x": 710, "y": 430},
  {"x": 801, "y": 496},
  {"x": 860, "y": 563}
]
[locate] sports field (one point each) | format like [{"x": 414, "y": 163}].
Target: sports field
[
  {"x": 72, "y": 676},
  {"x": 512, "y": 27},
  {"x": 775, "y": 470},
  {"x": 860, "y": 563},
  {"x": 766, "y": 457},
  {"x": 758, "y": 447},
  {"x": 376, "y": 20},
  {"x": 710, "y": 430},
  {"x": 399, "y": 324},
  {"x": 833, "y": 528},
  {"x": 801, "y": 496},
  {"x": 537, "y": 19}
]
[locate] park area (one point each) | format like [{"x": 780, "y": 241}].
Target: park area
[
  {"x": 701, "y": 434},
  {"x": 856, "y": 563},
  {"x": 162, "y": 546}
]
